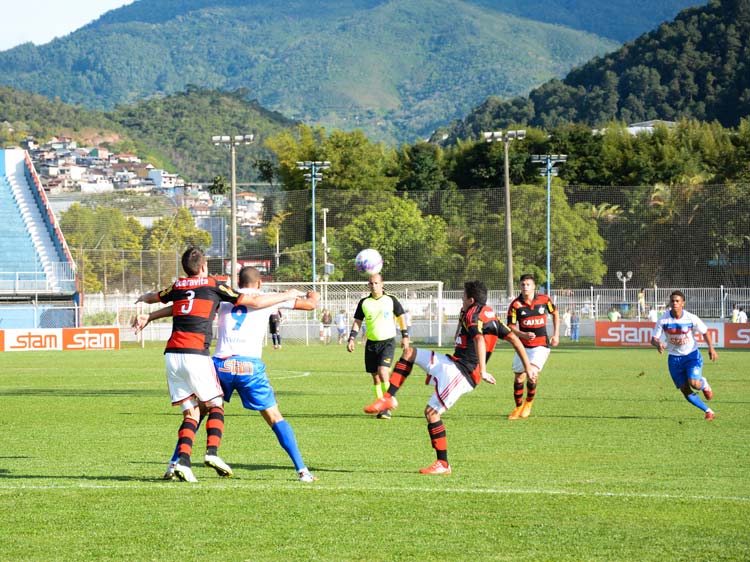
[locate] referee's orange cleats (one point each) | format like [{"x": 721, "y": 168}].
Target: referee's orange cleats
[{"x": 387, "y": 402}]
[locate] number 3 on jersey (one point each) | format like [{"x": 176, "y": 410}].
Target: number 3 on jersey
[{"x": 186, "y": 308}]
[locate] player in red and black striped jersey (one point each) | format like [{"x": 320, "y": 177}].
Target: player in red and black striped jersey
[
  {"x": 453, "y": 375},
  {"x": 191, "y": 378},
  {"x": 527, "y": 317}
]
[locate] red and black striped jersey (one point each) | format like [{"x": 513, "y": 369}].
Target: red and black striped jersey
[
  {"x": 194, "y": 304},
  {"x": 478, "y": 320},
  {"x": 531, "y": 317}
]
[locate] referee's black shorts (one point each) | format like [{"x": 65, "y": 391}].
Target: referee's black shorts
[{"x": 379, "y": 354}]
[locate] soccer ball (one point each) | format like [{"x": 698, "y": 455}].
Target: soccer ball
[{"x": 369, "y": 262}]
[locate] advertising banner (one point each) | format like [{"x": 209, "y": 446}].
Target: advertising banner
[
  {"x": 638, "y": 334},
  {"x": 60, "y": 339}
]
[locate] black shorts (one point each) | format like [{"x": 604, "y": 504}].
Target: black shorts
[{"x": 379, "y": 354}]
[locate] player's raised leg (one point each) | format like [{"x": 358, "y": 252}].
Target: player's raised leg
[{"x": 400, "y": 372}]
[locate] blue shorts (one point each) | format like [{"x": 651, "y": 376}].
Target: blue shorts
[
  {"x": 246, "y": 375},
  {"x": 685, "y": 367}
]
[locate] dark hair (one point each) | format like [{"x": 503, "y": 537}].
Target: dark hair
[
  {"x": 678, "y": 294},
  {"x": 476, "y": 290},
  {"x": 526, "y": 276},
  {"x": 193, "y": 260},
  {"x": 248, "y": 275}
]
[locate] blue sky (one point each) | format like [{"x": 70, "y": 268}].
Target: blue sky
[{"x": 40, "y": 21}]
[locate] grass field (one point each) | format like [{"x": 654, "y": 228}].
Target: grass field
[{"x": 612, "y": 465}]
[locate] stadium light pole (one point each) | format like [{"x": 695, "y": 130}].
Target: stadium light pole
[
  {"x": 314, "y": 175},
  {"x": 624, "y": 277},
  {"x": 549, "y": 170},
  {"x": 233, "y": 141},
  {"x": 506, "y": 138}
]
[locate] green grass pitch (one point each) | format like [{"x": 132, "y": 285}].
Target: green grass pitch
[{"x": 613, "y": 464}]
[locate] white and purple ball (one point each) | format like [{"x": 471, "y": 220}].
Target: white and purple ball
[{"x": 369, "y": 262}]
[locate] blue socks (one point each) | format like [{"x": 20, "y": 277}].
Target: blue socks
[
  {"x": 285, "y": 435},
  {"x": 696, "y": 401}
]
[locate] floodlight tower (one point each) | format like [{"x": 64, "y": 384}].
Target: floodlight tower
[
  {"x": 506, "y": 138},
  {"x": 549, "y": 170},
  {"x": 313, "y": 176},
  {"x": 233, "y": 142}
]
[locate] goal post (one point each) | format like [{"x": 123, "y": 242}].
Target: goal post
[{"x": 422, "y": 300}]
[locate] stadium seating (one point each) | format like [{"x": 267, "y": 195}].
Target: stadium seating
[{"x": 30, "y": 258}]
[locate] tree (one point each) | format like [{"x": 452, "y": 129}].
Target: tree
[
  {"x": 576, "y": 247},
  {"x": 413, "y": 246},
  {"x": 356, "y": 162},
  {"x": 176, "y": 233}
]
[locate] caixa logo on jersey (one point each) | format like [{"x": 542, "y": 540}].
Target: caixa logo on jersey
[
  {"x": 60, "y": 339},
  {"x": 533, "y": 322}
]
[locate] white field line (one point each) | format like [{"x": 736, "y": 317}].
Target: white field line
[
  {"x": 323, "y": 488},
  {"x": 292, "y": 375}
]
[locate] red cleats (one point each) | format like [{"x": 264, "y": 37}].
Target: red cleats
[
  {"x": 438, "y": 467},
  {"x": 387, "y": 402},
  {"x": 710, "y": 415},
  {"x": 707, "y": 392}
]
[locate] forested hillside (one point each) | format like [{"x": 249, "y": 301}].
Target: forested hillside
[
  {"x": 173, "y": 132},
  {"x": 694, "y": 67},
  {"x": 396, "y": 69}
]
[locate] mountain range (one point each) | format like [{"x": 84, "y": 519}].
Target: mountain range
[
  {"x": 395, "y": 68},
  {"x": 694, "y": 67}
]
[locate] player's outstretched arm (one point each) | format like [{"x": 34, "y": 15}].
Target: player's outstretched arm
[
  {"x": 149, "y": 298},
  {"x": 142, "y": 320},
  {"x": 269, "y": 299},
  {"x": 310, "y": 302}
]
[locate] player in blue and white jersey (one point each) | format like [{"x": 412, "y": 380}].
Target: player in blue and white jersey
[
  {"x": 238, "y": 363},
  {"x": 675, "y": 331}
]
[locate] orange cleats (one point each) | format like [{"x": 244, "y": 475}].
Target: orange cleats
[
  {"x": 710, "y": 415},
  {"x": 438, "y": 467},
  {"x": 516, "y": 413},
  {"x": 526, "y": 409},
  {"x": 387, "y": 402},
  {"x": 707, "y": 392}
]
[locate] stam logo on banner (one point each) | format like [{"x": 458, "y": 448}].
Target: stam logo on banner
[{"x": 60, "y": 339}]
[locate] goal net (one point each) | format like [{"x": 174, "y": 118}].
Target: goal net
[{"x": 429, "y": 314}]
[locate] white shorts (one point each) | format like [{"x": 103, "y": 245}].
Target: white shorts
[
  {"x": 190, "y": 375},
  {"x": 537, "y": 357},
  {"x": 442, "y": 371}
]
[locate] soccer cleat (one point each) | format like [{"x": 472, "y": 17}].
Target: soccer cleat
[
  {"x": 707, "y": 392},
  {"x": 516, "y": 413},
  {"x": 710, "y": 415},
  {"x": 221, "y": 468},
  {"x": 305, "y": 475},
  {"x": 184, "y": 473},
  {"x": 438, "y": 467},
  {"x": 526, "y": 409},
  {"x": 385, "y": 403},
  {"x": 384, "y": 415},
  {"x": 169, "y": 474}
]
